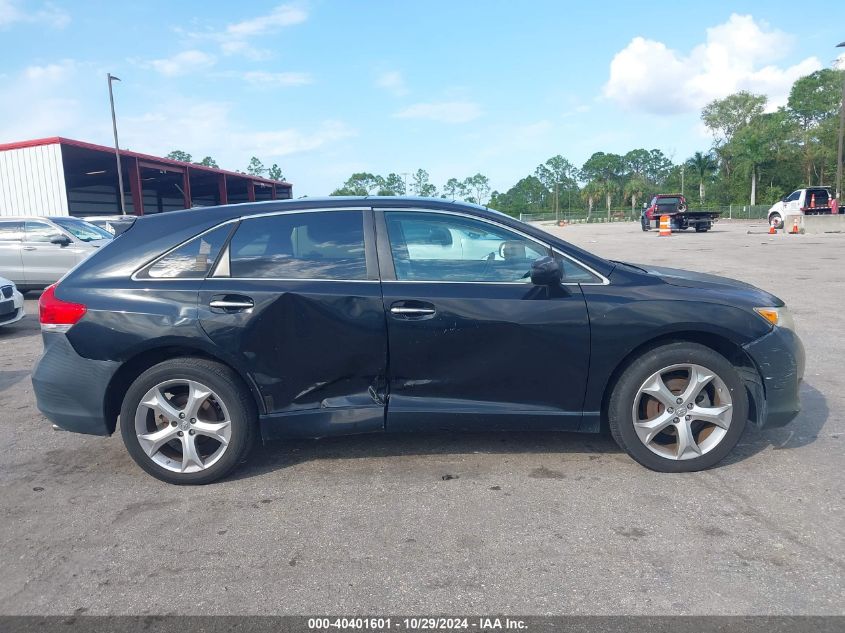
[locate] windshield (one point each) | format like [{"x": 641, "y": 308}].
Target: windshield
[{"x": 83, "y": 231}]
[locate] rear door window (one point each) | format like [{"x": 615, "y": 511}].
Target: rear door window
[
  {"x": 308, "y": 245},
  {"x": 11, "y": 231}
]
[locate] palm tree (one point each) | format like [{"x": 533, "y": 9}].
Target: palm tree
[
  {"x": 634, "y": 189},
  {"x": 703, "y": 165},
  {"x": 590, "y": 194}
]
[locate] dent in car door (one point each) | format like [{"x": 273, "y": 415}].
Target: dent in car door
[
  {"x": 301, "y": 308},
  {"x": 470, "y": 353}
]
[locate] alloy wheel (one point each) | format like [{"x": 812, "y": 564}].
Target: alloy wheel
[
  {"x": 183, "y": 426},
  {"x": 682, "y": 411}
]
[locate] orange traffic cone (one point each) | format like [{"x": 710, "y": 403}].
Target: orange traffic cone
[
  {"x": 794, "y": 230},
  {"x": 665, "y": 228},
  {"x": 812, "y": 201},
  {"x": 772, "y": 229}
]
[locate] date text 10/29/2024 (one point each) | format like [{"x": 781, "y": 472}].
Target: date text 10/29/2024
[{"x": 417, "y": 624}]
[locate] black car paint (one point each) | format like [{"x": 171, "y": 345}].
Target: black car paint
[{"x": 327, "y": 357}]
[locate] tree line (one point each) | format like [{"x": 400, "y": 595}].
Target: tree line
[
  {"x": 756, "y": 157},
  {"x": 254, "y": 168}
]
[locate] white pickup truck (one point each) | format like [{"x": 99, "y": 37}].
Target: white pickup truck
[{"x": 810, "y": 201}]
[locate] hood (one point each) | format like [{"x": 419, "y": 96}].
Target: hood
[{"x": 705, "y": 281}]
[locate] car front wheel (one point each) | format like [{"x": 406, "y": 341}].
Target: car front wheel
[
  {"x": 188, "y": 421},
  {"x": 776, "y": 221},
  {"x": 680, "y": 407}
]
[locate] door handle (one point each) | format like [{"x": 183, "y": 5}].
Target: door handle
[
  {"x": 231, "y": 303},
  {"x": 29, "y": 248},
  {"x": 412, "y": 309}
]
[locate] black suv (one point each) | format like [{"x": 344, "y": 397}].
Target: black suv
[{"x": 203, "y": 330}]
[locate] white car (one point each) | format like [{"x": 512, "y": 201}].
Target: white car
[
  {"x": 35, "y": 252},
  {"x": 11, "y": 303}
]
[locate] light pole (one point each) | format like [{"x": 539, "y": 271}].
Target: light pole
[
  {"x": 112, "y": 78},
  {"x": 557, "y": 206},
  {"x": 841, "y": 138}
]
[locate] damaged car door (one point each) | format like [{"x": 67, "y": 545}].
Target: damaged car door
[{"x": 296, "y": 299}]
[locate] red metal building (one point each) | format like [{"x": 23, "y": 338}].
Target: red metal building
[{"x": 60, "y": 176}]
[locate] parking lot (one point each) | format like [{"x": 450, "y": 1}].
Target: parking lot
[{"x": 445, "y": 523}]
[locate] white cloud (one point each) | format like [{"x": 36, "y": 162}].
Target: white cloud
[
  {"x": 11, "y": 12},
  {"x": 292, "y": 141},
  {"x": 42, "y": 101},
  {"x": 238, "y": 38},
  {"x": 51, "y": 72},
  {"x": 281, "y": 16},
  {"x": 738, "y": 55},
  {"x": 208, "y": 129},
  {"x": 183, "y": 63},
  {"x": 393, "y": 82},
  {"x": 263, "y": 78},
  {"x": 444, "y": 111}
]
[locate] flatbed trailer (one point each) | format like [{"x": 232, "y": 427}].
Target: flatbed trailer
[{"x": 681, "y": 217}]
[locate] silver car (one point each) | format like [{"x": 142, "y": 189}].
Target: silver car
[{"x": 36, "y": 252}]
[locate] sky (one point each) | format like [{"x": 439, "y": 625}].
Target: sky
[{"x": 326, "y": 88}]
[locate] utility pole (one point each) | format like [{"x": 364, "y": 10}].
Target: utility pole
[
  {"x": 405, "y": 179},
  {"x": 557, "y": 207},
  {"x": 682, "y": 179},
  {"x": 120, "y": 196},
  {"x": 841, "y": 138}
]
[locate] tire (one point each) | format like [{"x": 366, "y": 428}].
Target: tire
[
  {"x": 724, "y": 393},
  {"x": 776, "y": 220},
  {"x": 702, "y": 228},
  {"x": 188, "y": 402}
]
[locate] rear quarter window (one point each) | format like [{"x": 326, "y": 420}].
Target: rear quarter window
[{"x": 192, "y": 260}]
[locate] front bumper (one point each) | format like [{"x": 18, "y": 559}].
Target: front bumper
[
  {"x": 779, "y": 357},
  {"x": 17, "y": 314},
  {"x": 71, "y": 390}
]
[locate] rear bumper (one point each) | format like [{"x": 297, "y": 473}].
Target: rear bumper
[
  {"x": 779, "y": 357},
  {"x": 70, "y": 390}
]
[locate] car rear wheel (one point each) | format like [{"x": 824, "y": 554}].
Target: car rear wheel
[
  {"x": 680, "y": 407},
  {"x": 188, "y": 421}
]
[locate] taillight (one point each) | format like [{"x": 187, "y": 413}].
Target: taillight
[{"x": 57, "y": 315}]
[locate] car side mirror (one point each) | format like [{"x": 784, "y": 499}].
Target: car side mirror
[
  {"x": 61, "y": 240},
  {"x": 546, "y": 271}
]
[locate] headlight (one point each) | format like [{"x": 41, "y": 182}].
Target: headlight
[{"x": 781, "y": 317}]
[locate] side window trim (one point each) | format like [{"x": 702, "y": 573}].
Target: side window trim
[{"x": 388, "y": 272}]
